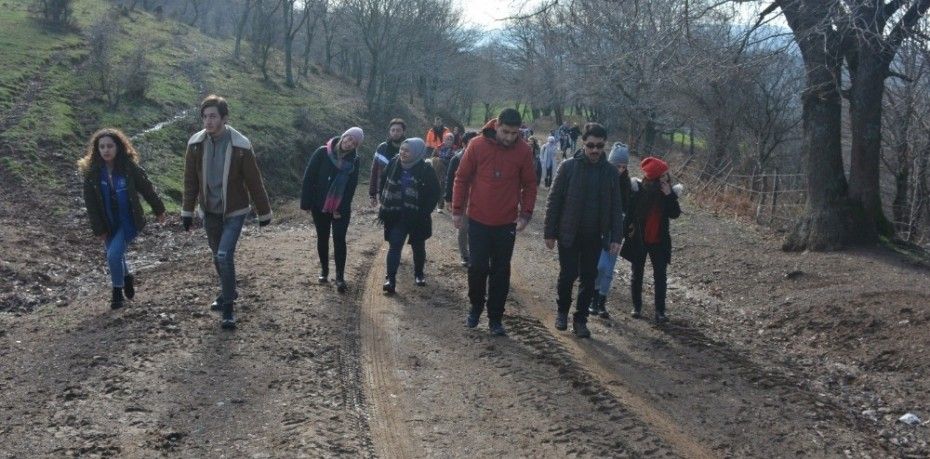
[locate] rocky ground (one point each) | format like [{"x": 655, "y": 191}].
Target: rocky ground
[{"x": 767, "y": 354}]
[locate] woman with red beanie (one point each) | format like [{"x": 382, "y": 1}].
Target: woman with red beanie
[{"x": 652, "y": 204}]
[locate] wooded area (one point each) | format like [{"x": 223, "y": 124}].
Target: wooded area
[{"x": 756, "y": 86}]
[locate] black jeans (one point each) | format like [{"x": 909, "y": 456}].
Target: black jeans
[
  {"x": 659, "y": 272},
  {"x": 396, "y": 239},
  {"x": 323, "y": 223},
  {"x": 490, "y": 249},
  {"x": 580, "y": 259}
]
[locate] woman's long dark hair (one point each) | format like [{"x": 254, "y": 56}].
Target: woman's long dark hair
[{"x": 125, "y": 153}]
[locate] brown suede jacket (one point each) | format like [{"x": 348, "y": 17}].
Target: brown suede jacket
[{"x": 242, "y": 183}]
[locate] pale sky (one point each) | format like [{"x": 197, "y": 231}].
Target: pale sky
[{"x": 486, "y": 13}]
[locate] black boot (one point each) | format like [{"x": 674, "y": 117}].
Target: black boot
[
  {"x": 390, "y": 286},
  {"x": 581, "y": 329},
  {"x": 217, "y": 304},
  {"x": 602, "y": 306},
  {"x": 593, "y": 309},
  {"x": 341, "y": 286},
  {"x": 129, "y": 287},
  {"x": 228, "y": 322},
  {"x": 117, "y": 301}
]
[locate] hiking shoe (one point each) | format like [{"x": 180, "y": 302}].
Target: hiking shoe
[
  {"x": 129, "y": 287},
  {"x": 471, "y": 321},
  {"x": 341, "y": 286},
  {"x": 636, "y": 314},
  {"x": 228, "y": 322},
  {"x": 324, "y": 278},
  {"x": 389, "y": 287},
  {"x": 561, "y": 321},
  {"x": 661, "y": 318},
  {"x": 420, "y": 281},
  {"x": 497, "y": 329},
  {"x": 116, "y": 301},
  {"x": 581, "y": 329}
]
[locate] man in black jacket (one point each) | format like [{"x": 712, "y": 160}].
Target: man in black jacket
[{"x": 583, "y": 214}]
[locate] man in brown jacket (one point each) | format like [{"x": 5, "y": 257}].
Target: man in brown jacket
[{"x": 221, "y": 175}]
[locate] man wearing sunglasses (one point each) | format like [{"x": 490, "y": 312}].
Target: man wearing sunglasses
[{"x": 583, "y": 215}]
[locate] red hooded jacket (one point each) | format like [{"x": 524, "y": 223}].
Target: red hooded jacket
[{"x": 494, "y": 180}]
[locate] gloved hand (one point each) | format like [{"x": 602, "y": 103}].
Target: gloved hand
[
  {"x": 187, "y": 222},
  {"x": 262, "y": 223}
]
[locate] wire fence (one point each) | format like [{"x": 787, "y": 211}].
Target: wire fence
[{"x": 769, "y": 198}]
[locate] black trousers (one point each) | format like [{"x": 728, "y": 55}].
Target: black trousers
[
  {"x": 578, "y": 260},
  {"x": 325, "y": 225},
  {"x": 548, "y": 176},
  {"x": 490, "y": 250},
  {"x": 659, "y": 272}
]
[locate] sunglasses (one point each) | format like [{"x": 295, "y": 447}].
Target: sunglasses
[{"x": 598, "y": 146}]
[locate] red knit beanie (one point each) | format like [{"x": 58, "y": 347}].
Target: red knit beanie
[{"x": 653, "y": 167}]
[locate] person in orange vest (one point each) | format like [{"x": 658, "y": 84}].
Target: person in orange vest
[{"x": 435, "y": 135}]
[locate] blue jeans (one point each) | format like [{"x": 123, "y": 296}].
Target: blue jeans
[
  {"x": 116, "y": 246},
  {"x": 605, "y": 272},
  {"x": 223, "y": 235},
  {"x": 396, "y": 239}
]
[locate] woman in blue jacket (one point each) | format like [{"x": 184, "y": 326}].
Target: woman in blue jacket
[{"x": 113, "y": 182}]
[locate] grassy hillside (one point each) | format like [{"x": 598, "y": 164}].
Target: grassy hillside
[{"x": 50, "y": 101}]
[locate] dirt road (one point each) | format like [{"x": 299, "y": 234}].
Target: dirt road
[{"x": 753, "y": 364}]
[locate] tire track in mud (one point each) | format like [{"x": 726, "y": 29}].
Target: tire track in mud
[
  {"x": 437, "y": 388},
  {"x": 702, "y": 396},
  {"x": 599, "y": 373},
  {"x": 390, "y": 435},
  {"x": 159, "y": 377}
]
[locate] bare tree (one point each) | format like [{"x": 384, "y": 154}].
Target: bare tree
[
  {"x": 265, "y": 32},
  {"x": 873, "y": 38},
  {"x": 240, "y": 27},
  {"x": 293, "y": 22}
]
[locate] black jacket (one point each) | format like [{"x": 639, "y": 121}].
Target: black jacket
[
  {"x": 450, "y": 174},
  {"x": 565, "y": 203},
  {"x": 633, "y": 247},
  {"x": 318, "y": 175},
  {"x": 419, "y": 222}
]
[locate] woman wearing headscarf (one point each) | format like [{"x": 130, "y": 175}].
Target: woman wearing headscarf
[
  {"x": 653, "y": 203},
  {"x": 408, "y": 195},
  {"x": 328, "y": 187}
]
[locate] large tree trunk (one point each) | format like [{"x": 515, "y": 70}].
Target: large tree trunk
[
  {"x": 829, "y": 221},
  {"x": 865, "y": 111}
]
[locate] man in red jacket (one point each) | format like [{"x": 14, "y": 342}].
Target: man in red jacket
[{"x": 497, "y": 179}]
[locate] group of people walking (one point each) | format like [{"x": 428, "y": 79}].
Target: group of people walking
[{"x": 487, "y": 180}]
